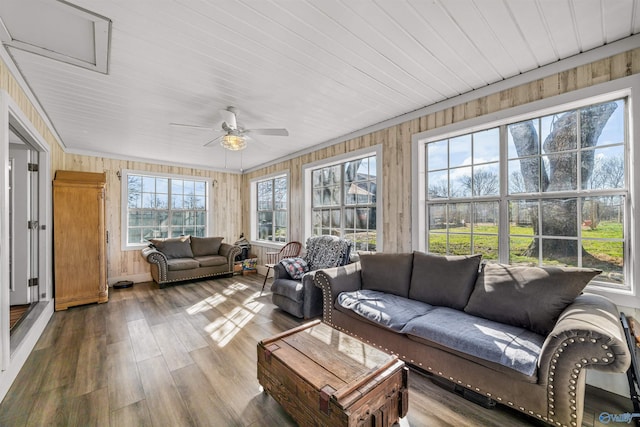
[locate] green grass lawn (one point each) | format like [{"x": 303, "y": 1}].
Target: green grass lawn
[{"x": 485, "y": 241}]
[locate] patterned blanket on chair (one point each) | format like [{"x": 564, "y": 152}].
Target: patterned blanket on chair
[{"x": 326, "y": 252}]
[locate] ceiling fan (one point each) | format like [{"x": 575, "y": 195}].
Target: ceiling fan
[{"x": 234, "y": 136}]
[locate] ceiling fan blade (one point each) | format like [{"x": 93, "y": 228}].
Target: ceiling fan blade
[
  {"x": 213, "y": 140},
  {"x": 229, "y": 118},
  {"x": 272, "y": 132},
  {"x": 185, "y": 125}
]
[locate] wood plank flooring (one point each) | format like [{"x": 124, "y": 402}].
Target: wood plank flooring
[{"x": 186, "y": 356}]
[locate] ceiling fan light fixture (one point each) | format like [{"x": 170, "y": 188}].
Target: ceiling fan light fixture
[{"x": 233, "y": 142}]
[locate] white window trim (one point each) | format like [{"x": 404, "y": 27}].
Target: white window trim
[
  {"x": 253, "y": 216},
  {"x": 305, "y": 208},
  {"x": 124, "y": 201},
  {"x": 624, "y": 87}
]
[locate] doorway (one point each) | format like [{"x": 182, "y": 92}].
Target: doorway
[
  {"x": 24, "y": 292},
  {"x": 23, "y": 229},
  {"x": 19, "y": 134}
]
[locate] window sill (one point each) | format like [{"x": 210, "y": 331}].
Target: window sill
[
  {"x": 267, "y": 244},
  {"x": 620, "y": 297},
  {"x": 134, "y": 247}
]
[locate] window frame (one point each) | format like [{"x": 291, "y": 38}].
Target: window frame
[
  {"x": 628, "y": 87},
  {"x": 307, "y": 169},
  {"x": 254, "y": 232},
  {"x": 124, "y": 202}
]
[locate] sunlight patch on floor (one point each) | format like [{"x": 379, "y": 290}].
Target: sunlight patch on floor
[
  {"x": 223, "y": 329},
  {"x": 236, "y": 287},
  {"x": 206, "y": 304}
]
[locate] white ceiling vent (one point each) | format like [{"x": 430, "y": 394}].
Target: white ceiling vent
[{"x": 57, "y": 30}]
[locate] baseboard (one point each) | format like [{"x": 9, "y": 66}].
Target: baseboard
[{"x": 135, "y": 278}]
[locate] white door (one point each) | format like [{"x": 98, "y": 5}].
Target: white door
[{"x": 19, "y": 208}]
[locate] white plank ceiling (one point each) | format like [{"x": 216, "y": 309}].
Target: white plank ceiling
[{"x": 320, "y": 68}]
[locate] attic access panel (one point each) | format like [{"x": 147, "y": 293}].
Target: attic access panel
[{"x": 57, "y": 30}]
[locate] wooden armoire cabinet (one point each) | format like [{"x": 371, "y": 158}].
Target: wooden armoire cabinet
[{"x": 79, "y": 239}]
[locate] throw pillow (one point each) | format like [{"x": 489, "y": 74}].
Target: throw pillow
[
  {"x": 203, "y": 246},
  {"x": 389, "y": 273},
  {"x": 529, "y": 297},
  {"x": 179, "y": 247},
  {"x": 296, "y": 267},
  {"x": 443, "y": 280}
]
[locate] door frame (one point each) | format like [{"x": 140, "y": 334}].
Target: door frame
[{"x": 13, "y": 355}]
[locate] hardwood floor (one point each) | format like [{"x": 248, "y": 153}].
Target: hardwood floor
[{"x": 186, "y": 356}]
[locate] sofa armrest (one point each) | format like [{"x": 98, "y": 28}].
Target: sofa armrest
[
  {"x": 157, "y": 260},
  {"x": 227, "y": 250},
  {"x": 333, "y": 281},
  {"x": 312, "y": 303},
  {"x": 588, "y": 334},
  {"x": 230, "y": 252}
]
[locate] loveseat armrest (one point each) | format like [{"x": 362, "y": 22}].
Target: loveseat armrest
[
  {"x": 230, "y": 252},
  {"x": 588, "y": 334},
  {"x": 333, "y": 281},
  {"x": 158, "y": 262}
]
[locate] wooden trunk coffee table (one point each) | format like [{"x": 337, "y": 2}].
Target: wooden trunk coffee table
[{"x": 323, "y": 377}]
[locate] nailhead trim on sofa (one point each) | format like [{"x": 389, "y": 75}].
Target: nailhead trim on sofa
[{"x": 608, "y": 358}]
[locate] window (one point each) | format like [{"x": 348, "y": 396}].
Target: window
[
  {"x": 344, "y": 202},
  {"x": 272, "y": 209},
  {"x": 547, "y": 189},
  {"x": 163, "y": 206}
]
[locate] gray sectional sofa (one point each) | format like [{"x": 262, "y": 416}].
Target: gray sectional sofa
[
  {"x": 188, "y": 258},
  {"x": 520, "y": 336}
]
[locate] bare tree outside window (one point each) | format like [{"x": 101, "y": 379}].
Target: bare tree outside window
[
  {"x": 565, "y": 195},
  {"x": 482, "y": 183},
  {"x": 344, "y": 200},
  {"x": 272, "y": 209},
  {"x": 572, "y": 136},
  {"x": 160, "y": 207}
]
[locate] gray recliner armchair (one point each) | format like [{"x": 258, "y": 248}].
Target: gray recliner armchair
[{"x": 299, "y": 296}]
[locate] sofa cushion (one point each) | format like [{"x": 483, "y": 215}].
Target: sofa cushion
[
  {"x": 211, "y": 260},
  {"x": 179, "y": 247},
  {"x": 529, "y": 297},
  {"x": 443, "y": 280},
  {"x": 386, "y": 309},
  {"x": 203, "y": 246},
  {"x": 511, "y": 346},
  {"x": 176, "y": 264},
  {"x": 296, "y": 267},
  {"x": 389, "y": 273}
]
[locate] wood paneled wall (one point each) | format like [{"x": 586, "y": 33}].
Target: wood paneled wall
[
  {"x": 226, "y": 194},
  {"x": 9, "y": 83},
  {"x": 396, "y": 142},
  {"x": 225, "y": 216},
  {"x": 231, "y": 214}
]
